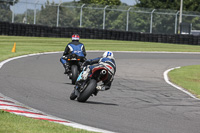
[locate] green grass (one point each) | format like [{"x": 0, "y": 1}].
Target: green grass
[
  {"x": 187, "y": 77},
  {"x": 27, "y": 45},
  {"x": 11, "y": 123}
]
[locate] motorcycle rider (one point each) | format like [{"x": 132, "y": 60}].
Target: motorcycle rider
[
  {"x": 73, "y": 47},
  {"x": 108, "y": 61}
]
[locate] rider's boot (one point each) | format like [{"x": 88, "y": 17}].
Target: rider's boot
[
  {"x": 95, "y": 92},
  {"x": 66, "y": 66},
  {"x": 102, "y": 87}
]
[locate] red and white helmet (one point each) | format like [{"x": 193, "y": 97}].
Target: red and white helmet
[{"x": 75, "y": 37}]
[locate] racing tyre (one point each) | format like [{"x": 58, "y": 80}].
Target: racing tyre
[
  {"x": 73, "y": 96},
  {"x": 89, "y": 90},
  {"x": 74, "y": 69}
]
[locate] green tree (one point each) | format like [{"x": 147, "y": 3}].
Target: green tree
[
  {"x": 69, "y": 17},
  {"x": 93, "y": 14},
  {"x": 92, "y": 17},
  {"x": 19, "y": 18},
  {"x": 191, "y": 5},
  {"x": 139, "y": 22},
  {"x": 101, "y": 2},
  {"x": 6, "y": 3},
  {"x": 48, "y": 14},
  {"x": 188, "y": 5},
  {"x": 5, "y": 11},
  {"x": 115, "y": 20}
]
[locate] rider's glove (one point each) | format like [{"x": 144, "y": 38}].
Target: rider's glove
[
  {"x": 64, "y": 57},
  {"x": 85, "y": 63}
]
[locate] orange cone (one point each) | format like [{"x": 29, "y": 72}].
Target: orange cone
[{"x": 14, "y": 48}]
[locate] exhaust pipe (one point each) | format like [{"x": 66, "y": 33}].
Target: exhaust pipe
[{"x": 103, "y": 72}]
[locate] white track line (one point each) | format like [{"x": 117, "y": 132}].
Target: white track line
[
  {"x": 167, "y": 71},
  {"x": 15, "y": 107},
  {"x": 174, "y": 85},
  {"x": 12, "y": 106}
]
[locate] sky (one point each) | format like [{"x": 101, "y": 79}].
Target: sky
[{"x": 129, "y": 2}]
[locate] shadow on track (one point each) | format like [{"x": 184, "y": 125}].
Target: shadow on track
[
  {"x": 90, "y": 102},
  {"x": 69, "y": 84}
]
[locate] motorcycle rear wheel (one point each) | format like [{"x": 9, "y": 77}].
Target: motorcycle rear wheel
[
  {"x": 74, "y": 69},
  {"x": 89, "y": 90}
]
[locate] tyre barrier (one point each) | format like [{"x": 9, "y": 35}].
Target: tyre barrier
[{"x": 19, "y": 29}]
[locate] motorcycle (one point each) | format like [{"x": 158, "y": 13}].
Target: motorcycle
[
  {"x": 86, "y": 88},
  {"x": 74, "y": 66}
]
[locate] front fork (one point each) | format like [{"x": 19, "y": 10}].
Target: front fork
[{"x": 80, "y": 87}]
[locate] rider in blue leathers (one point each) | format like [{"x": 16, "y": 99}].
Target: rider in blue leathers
[
  {"x": 73, "y": 47},
  {"x": 107, "y": 60}
]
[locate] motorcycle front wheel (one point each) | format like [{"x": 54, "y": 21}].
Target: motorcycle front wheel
[
  {"x": 73, "y": 96},
  {"x": 89, "y": 90}
]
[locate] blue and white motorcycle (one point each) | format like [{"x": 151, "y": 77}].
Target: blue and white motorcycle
[{"x": 86, "y": 87}]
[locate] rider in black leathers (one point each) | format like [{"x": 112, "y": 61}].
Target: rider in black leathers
[{"x": 73, "y": 47}]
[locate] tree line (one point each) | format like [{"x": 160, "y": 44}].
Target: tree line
[{"x": 116, "y": 14}]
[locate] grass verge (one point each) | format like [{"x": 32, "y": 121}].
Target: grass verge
[
  {"x": 187, "y": 77},
  {"x": 11, "y": 123}
]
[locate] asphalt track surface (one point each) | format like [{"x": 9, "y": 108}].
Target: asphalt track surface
[{"x": 140, "y": 101}]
